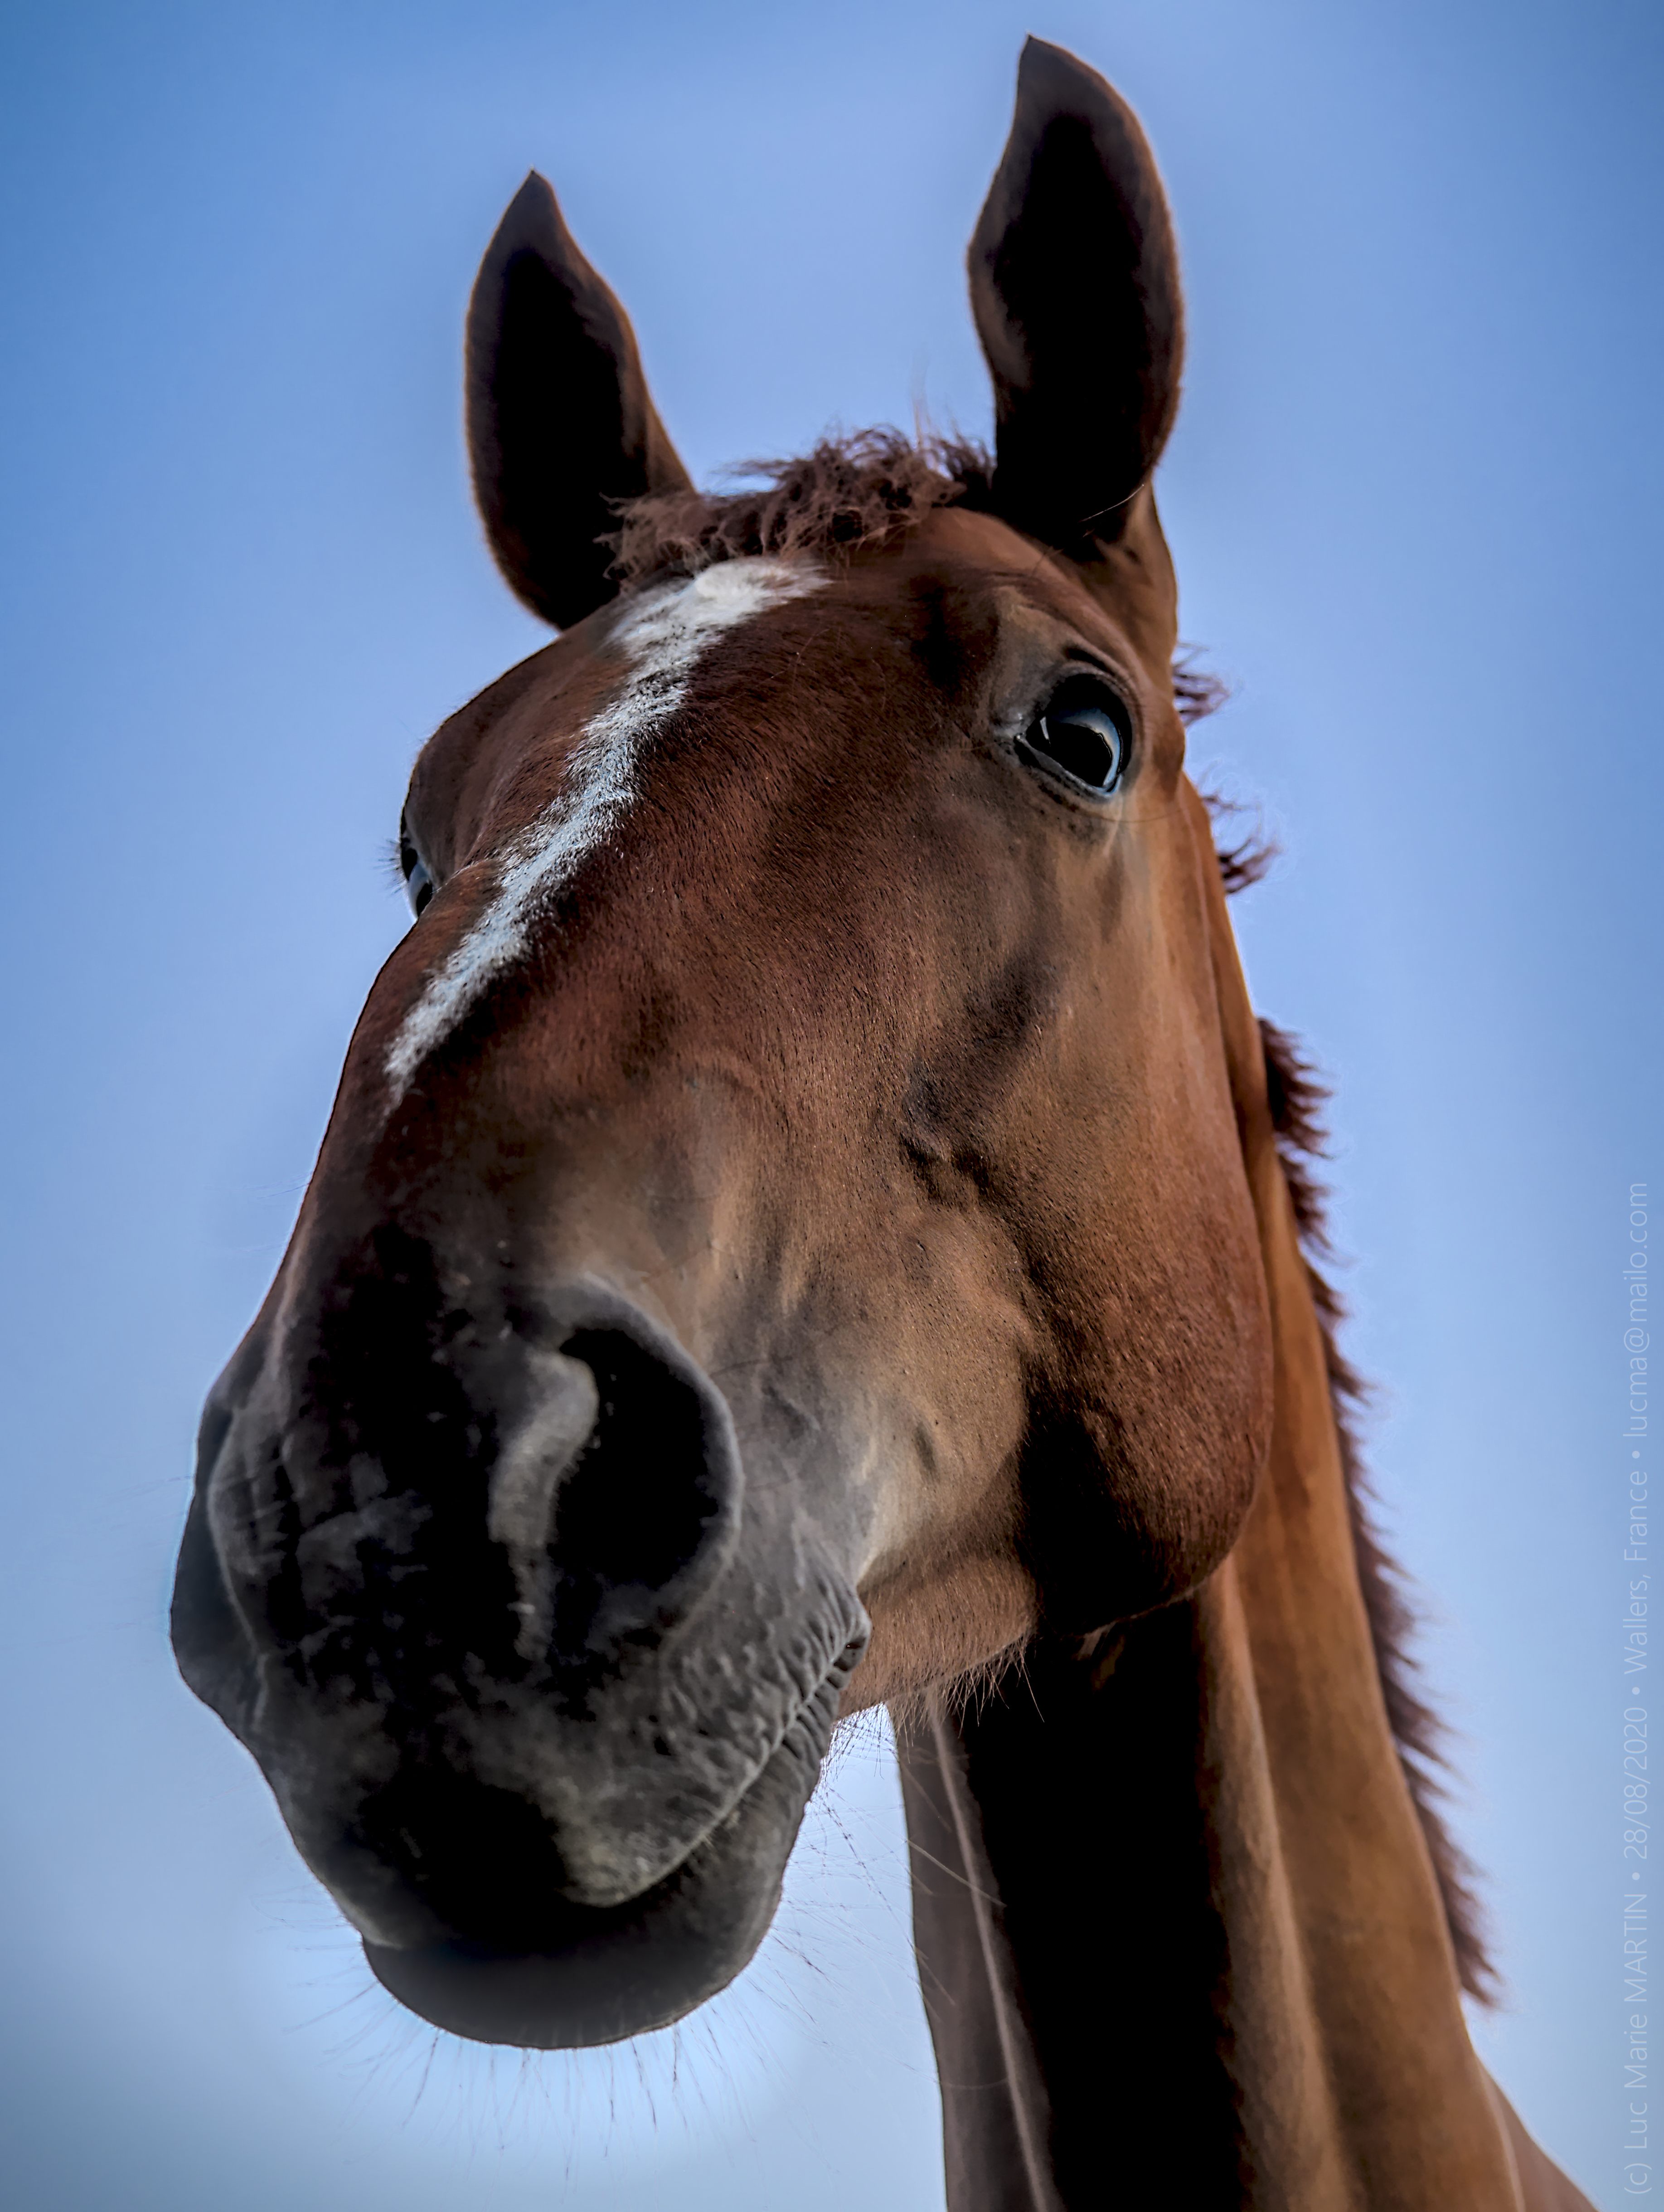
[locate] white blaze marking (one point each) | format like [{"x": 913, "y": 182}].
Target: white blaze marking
[{"x": 662, "y": 636}]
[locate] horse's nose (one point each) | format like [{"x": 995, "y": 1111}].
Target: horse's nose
[{"x": 388, "y": 1534}]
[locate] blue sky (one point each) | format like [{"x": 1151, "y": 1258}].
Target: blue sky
[{"x": 1413, "y": 498}]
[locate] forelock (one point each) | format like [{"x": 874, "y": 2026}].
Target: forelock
[{"x": 846, "y": 493}]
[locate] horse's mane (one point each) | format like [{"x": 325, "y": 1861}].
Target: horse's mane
[
  {"x": 856, "y": 491},
  {"x": 1296, "y": 1096}
]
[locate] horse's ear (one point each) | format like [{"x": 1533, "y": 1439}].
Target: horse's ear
[
  {"x": 560, "y": 426},
  {"x": 1075, "y": 287}
]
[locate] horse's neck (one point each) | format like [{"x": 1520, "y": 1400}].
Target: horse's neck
[
  {"x": 1139, "y": 1992},
  {"x": 1105, "y": 1946},
  {"x": 1414, "y": 2122},
  {"x": 1180, "y": 1935}
]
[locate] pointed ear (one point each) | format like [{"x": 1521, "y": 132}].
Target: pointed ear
[
  {"x": 559, "y": 423},
  {"x": 1075, "y": 287}
]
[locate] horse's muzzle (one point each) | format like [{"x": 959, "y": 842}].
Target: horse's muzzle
[{"x": 470, "y": 1586}]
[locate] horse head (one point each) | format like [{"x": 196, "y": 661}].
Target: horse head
[{"x": 783, "y": 1235}]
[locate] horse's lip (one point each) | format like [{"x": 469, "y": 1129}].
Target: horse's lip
[{"x": 618, "y": 1971}]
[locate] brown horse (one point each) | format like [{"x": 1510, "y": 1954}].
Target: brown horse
[{"x": 810, "y": 1219}]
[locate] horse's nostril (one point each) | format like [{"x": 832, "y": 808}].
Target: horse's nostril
[
  {"x": 615, "y": 1494},
  {"x": 640, "y": 1511}
]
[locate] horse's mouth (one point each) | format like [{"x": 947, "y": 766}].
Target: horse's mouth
[{"x": 591, "y": 1974}]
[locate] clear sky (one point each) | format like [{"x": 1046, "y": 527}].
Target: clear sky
[{"x": 1414, "y": 498}]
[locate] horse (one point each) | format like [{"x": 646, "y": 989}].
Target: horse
[{"x": 810, "y": 1221}]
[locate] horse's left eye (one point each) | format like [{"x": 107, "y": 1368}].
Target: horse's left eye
[
  {"x": 1084, "y": 737},
  {"x": 418, "y": 883},
  {"x": 418, "y": 888}
]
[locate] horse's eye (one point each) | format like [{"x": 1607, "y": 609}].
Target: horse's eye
[
  {"x": 1084, "y": 737},
  {"x": 418, "y": 883}
]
